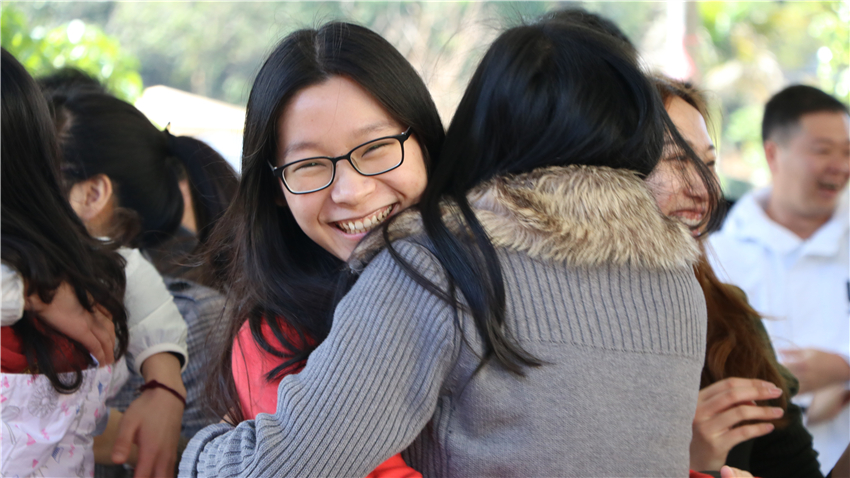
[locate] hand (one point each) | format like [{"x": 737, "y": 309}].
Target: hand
[
  {"x": 94, "y": 330},
  {"x": 720, "y": 408},
  {"x": 729, "y": 472},
  {"x": 826, "y": 404},
  {"x": 104, "y": 443},
  {"x": 153, "y": 421},
  {"x": 815, "y": 368}
]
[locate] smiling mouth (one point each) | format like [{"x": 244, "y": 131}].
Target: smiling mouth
[
  {"x": 830, "y": 186},
  {"x": 367, "y": 223},
  {"x": 689, "y": 217}
]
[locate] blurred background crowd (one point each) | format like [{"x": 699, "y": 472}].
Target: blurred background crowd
[{"x": 191, "y": 64}]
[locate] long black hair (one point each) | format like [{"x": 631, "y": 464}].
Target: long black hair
[
  {"x": 553, "y": 93},
  {"x": 273, "y": 271},
  {"x": 42, "y": 237}
]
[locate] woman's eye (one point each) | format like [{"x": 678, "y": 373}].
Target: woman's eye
[
  {"x": 373, "y": 148},
  {"x": 307, "y": 165},
  {"x": 675, "y": 157}
]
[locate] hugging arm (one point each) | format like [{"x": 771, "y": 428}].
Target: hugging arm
[
  {"x": 158, "y": 346},
  {"x": 365, "y": 394}
]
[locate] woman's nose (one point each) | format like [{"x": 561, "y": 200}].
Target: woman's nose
[
  {"x": 696, "y": 187},
  {"x": 349, "y": 186}
]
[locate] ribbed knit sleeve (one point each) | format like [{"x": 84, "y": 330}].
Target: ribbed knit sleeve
[{"x": 367, "y": 391}]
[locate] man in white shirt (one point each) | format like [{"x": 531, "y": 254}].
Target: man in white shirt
[{"x": 787, "y": 247}]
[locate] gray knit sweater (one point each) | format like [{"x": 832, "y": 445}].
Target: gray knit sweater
[{"x": 599, "y": 286}]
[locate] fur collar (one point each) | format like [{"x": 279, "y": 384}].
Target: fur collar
[{"x": 581, "y": 215}]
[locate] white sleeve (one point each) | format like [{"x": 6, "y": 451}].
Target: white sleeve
[
  {"x": 13, "y": 296},
  {"x": 154, "y": 323}
]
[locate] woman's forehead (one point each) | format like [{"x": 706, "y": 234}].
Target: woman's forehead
[
  {"x": 336, "y": 108},
  {"x": 690, "y": 124}
]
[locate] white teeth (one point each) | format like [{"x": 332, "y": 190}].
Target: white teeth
[
  {"x": 366, "y": 224},
  {"x": 689, "y": 219}
]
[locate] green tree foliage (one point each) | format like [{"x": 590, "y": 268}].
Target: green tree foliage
[
  {"x": 744, "y": 51},
  {"x": 832, "y": 28},
  {"x": 72, "y": 44},
  {"x": 751, "y": 50},
  {"x": 214, "y": 49}
]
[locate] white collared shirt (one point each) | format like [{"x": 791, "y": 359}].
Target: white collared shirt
[{"x": 801, "y": 286}]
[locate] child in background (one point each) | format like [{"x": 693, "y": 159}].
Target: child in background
[
  {"x": 157, "y": 349},
  {"x": 52, "y": 391}
]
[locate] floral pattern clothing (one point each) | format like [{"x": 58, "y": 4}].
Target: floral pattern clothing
[{"x": 45, "y": 433}]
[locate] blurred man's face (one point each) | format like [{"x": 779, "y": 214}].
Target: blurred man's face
[{"x": 811, "y": 165}]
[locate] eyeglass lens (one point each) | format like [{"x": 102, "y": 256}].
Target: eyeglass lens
[{"x": 371, "y": 158}]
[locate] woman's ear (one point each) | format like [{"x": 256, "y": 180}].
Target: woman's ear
[
  {"x": 93, "y": 201},
  {"x": 189, "y": 220}
]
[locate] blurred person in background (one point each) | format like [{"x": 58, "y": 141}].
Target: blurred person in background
[
  {"x": 741, "y": 368},
  {"x": 208, "y": 184},
  {"x": 157, "y": 349},
  {"x": 786, "y": 247},
  {"x": 145, "y": 188},
  {"x": 63, "y": 293}
]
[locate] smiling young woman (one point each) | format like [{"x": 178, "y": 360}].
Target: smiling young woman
[
  {"x": 329, "y": 119},
  {"x": 744, "y": 416},
  {"x": 501, "y": 327},
  {"x": 340, "y": 135},
  {"x": 678, "y": 191}
]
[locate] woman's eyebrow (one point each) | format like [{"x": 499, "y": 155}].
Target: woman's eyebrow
[
  {"x": 301, "y": 145},
  {"x": 371, "y": 128},
  {"x": 360, "y": 132},
  {"x": 711, "y": 147}
]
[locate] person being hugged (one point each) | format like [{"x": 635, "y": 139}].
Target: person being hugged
[
  {"x": 510, "y": 323},
  {"x": 340, "y": 135}
]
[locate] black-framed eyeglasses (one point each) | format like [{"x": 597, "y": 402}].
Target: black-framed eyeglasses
[{"x": 371, "y": 158}]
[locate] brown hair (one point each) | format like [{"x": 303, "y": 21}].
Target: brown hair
[
  {"x": 735, "y": 347},
  {"x": 668, "y": 88}
]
